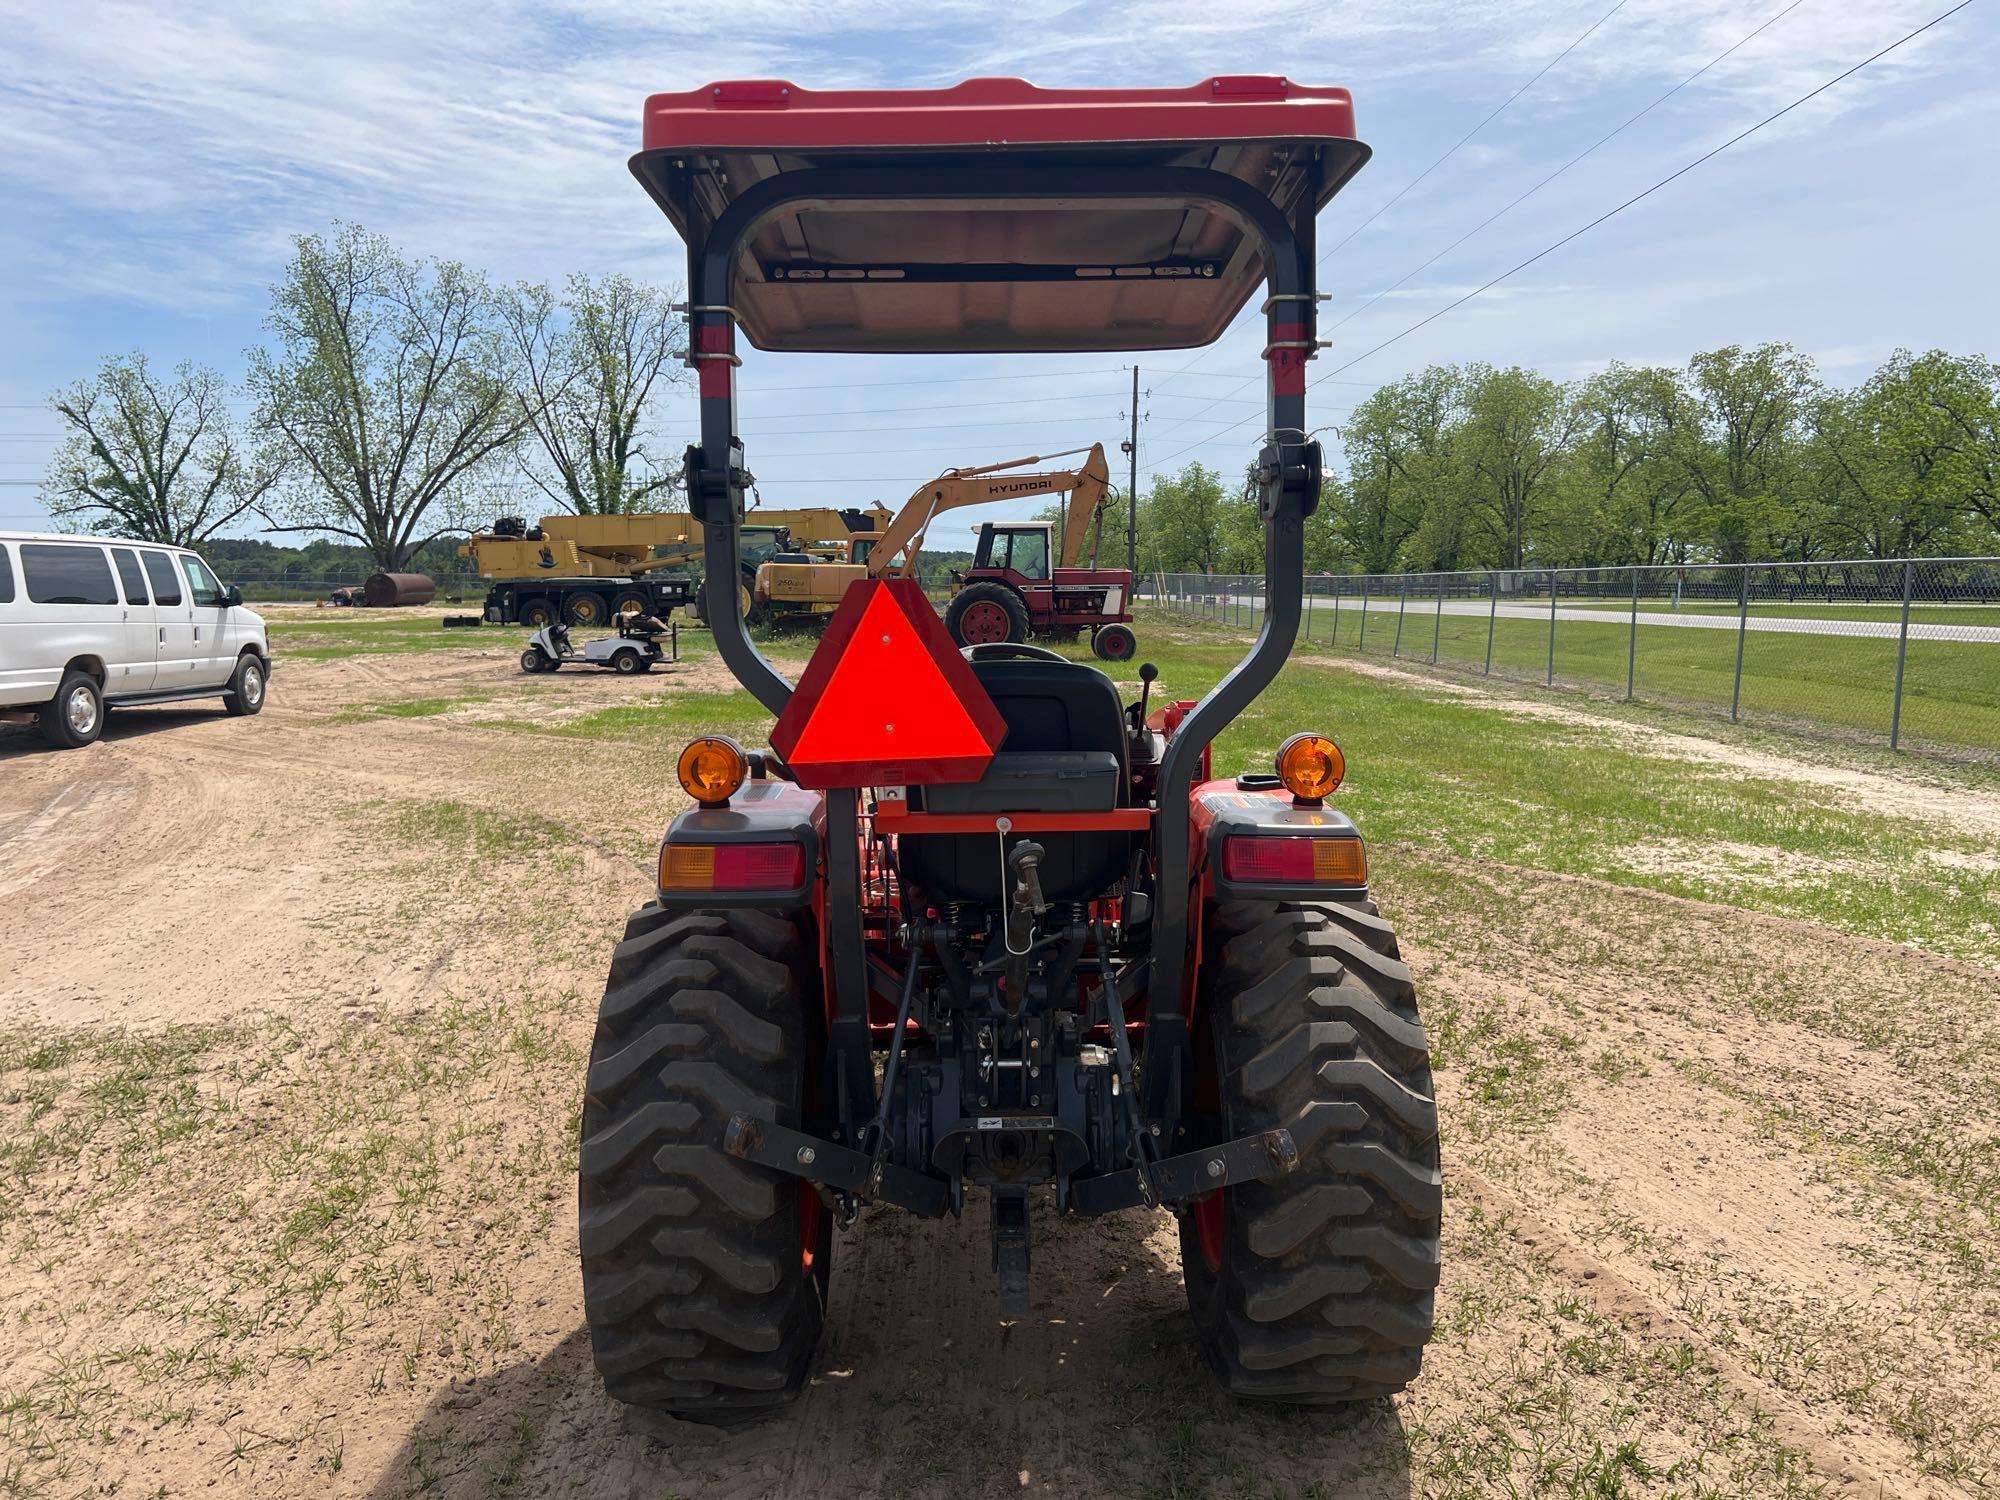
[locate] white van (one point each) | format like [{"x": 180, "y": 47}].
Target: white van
[{"x": 87, "y": 624}]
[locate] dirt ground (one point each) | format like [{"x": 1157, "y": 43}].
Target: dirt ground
[{"x": 293, "y": 1013}]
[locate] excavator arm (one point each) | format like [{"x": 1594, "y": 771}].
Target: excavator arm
[
  {"x": 1086, "y": 503},
  {"x": 1087, "y": 486}
]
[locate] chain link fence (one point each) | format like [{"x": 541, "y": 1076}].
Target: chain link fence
[{"x": 1904, "y": 653}]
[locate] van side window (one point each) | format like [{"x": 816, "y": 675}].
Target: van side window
[
  {"x": 6, "y": 578},
  {"x": 130, "y": 575},
  {"x": 202, "y": 587},
  {"x": 166, "y": 582},
  {"x": 59, "y": 574}
]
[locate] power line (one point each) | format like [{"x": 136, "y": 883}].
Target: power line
[
  {"x": 1453, "y": 151},
  {"x": 1500, "y": 109},
  {"x": 1719, "y": 57},
  {"x": 1609, "y": 213}
]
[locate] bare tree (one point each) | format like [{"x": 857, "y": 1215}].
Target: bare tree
[
  {"x": 153, "y": 457},
  {"x": 593, "y": 362},
  {"x": 393, "y": 384}
]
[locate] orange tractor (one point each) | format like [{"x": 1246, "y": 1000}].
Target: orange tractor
[{"x": 975, "y": 929}]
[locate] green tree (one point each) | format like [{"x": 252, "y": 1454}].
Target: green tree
[
  {"x": 594, "y": 362},
  {"x": 394, "y": 387},
  {"x": 1625, "y": 483},
  {"x": 1518, "y": 428},
  {"x": 1181, "y": 522},
  {"x": 1754, "y": 406},
  {"x": 1401, "y": 468},
  {"x": 153, "y": 457},
  {"x": 1963, "y": 394}
]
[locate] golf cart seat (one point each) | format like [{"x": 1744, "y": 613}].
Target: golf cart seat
[
  {"x": 1065, "y": 752},
  {"x": 642, "y": 628}
]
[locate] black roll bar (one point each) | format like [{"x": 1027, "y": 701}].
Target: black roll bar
[{"x": 1288, "y": 478}]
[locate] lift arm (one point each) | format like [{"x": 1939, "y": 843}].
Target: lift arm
[{"x": 956, "y": 488}]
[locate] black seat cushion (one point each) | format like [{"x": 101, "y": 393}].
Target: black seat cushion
[{"x": 1049, "y": 707}]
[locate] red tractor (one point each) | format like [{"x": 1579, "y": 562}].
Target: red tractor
[{"x": 974, "y": 922}]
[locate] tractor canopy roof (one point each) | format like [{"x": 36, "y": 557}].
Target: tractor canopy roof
[{"x": 1021, "y": 229}]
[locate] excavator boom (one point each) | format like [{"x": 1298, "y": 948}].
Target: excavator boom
[
  {"x": 1086, "y": 504},
  {"x": 1087, "y": 486}
]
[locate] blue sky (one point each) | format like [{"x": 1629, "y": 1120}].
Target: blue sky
[{"x": 158, "y": 158}]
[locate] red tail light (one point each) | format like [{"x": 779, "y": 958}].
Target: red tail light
[
  {"x": 1259, "y": 860},
  {"x": 733, "y": 867}
]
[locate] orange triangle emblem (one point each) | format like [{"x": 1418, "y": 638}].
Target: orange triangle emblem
[{"x": 887, "y": 700}]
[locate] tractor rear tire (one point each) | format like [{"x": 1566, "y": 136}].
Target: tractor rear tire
[
  {"x": 704, "y": 1277},
  {"x": 1316, "y": 1290},
  {"x": 980, "y": 608}
]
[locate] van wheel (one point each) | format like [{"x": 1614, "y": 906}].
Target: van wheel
[
  {"x": 75, "y": 716},
  {"x": 246, "y": 688}
]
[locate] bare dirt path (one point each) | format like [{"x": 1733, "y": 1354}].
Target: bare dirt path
[{"x": 292, "y": 1018}]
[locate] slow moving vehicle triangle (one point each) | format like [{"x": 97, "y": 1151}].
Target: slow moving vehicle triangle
[{"x": 887, "y": 700}]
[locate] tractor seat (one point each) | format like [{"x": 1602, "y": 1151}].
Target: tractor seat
[{"x": 1065, "y": 751}]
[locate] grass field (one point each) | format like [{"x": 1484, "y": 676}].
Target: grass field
[
  {"x": 289, "y": 1089},
  {"x": 1839, "y": 685}
]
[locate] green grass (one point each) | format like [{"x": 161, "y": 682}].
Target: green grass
[
  {"x": 1920, "y": 614},
  {"x": 1460, "y": 778},
  {"x": 1463, "y": 779},
  {"x": 1842, "y": 684},
  {"x": 331, "y": 635},
  {"x": 681, "y": 716}
]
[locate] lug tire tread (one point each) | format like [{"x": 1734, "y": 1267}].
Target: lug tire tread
[
  {"x": 1325, "y": 1290},
  {"x": 694, "y": 1289}
]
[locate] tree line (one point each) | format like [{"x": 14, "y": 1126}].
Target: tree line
[
  {"x": 396, "y": 396},
  {"x": 1743, "y": 455}
]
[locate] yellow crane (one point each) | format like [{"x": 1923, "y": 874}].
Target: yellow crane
[
  {"x": 554, "y": 561},
  {"x": 800, "y": 589}
]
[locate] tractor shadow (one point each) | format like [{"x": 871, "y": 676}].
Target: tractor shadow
[{"x": 920, "y": 1390}]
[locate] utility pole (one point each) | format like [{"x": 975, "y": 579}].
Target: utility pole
[{"x": 1131, "y": 447}]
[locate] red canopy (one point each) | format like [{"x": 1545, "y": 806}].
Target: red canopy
[{"x": 946, "y": 275}]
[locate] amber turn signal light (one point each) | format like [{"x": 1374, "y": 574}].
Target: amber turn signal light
[
  {"x": 1311, "y": 766},
  {"x": 712, "y": 768}
]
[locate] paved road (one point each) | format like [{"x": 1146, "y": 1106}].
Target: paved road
[{"x": 1769, "y": 624}]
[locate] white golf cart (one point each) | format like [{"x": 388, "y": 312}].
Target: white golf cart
[{"x": 635, "y": 649}]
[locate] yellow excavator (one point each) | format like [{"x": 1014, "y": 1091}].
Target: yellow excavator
[
  {"x": 584, "y": 569},
  {"x": 1020, "y": 584}
]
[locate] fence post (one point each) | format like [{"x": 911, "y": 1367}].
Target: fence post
[
  {"x": 1742, "y": 630},
  {"x": 1492, "y": 615},
  {"x": 1552, "y": 628},
  {"x": 1902, "y": 655},
  {"x": 1437, "y": 625},
  {"x": 1632, "y": 648},
  {"x": 1333, "y": 636},
  {"x": 1402, "y": 608},
  {"x": 1367, "y": 587}
]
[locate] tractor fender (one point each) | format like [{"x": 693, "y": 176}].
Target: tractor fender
[
  {"x": 762, "y": 812},
  {"x": 1257, "y": 805}
]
